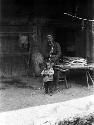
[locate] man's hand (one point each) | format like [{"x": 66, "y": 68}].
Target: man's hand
[{"x": 54, "y": 57}]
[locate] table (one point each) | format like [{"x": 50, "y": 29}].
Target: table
[{"x": 87, "y": 68}]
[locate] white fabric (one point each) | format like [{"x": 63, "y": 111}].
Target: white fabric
[{"x": 48, "y": 74}]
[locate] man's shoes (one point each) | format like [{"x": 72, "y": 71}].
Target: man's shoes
[
  {"x": 46, "y": 92},
  {"x": 50, "y": 94}
]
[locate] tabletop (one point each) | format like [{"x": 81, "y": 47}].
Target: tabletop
[{"x": 88, "y": 66}]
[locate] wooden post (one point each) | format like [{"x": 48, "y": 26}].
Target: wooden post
[
  {"x": 92, "y": 41},
  {"x": 36, "y": 54}
]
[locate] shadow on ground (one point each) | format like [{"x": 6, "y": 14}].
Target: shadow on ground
[{"x": 14, "y": 82}]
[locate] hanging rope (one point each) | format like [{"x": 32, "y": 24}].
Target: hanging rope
[{"x": 79, "y": 18}]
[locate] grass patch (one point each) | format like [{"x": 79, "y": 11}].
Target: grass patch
[{"x": 86, "y": 120}]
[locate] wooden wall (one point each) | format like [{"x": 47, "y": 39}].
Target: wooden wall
[{"x": 11, "y": 56}]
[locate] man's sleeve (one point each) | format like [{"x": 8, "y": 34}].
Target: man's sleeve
[
  {"x": 42, "y": 72},
  {"x": 58, "y": 50}
]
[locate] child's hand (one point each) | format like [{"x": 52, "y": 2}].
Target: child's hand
[{"x": 44, "y": 75}]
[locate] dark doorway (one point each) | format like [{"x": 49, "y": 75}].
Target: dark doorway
[{"x": 66, "y": 38}]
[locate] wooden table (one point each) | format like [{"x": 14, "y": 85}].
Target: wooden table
[{"x": 87, "y": 68}]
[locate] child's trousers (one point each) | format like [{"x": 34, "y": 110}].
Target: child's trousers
[{"x": 48, "y": 86}]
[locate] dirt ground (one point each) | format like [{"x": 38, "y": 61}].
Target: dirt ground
[{"x": 22, "y": 92}]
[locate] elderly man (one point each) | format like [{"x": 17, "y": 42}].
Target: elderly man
[
  {"x": 53, "y": 53},
  {"x": 53, "y": 49}
]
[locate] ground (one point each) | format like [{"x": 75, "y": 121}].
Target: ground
[{"x": 22, "y": 92}]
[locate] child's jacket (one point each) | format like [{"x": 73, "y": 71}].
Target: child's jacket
[{"x": 48, "y": 74}]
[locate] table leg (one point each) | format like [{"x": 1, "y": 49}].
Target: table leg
[
  {"x": 90, "y": 77},
  {"x": 87, "y": 78},
  {"x": 66, "y": 82}
]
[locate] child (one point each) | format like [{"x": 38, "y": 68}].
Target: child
[{"x": 47, "y": 74}]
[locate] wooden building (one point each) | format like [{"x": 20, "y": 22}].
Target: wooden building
[{"x": 75, "y": 35}]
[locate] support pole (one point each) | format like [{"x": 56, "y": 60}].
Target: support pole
[
  {"x": 87, "y": 78},
  {"x": 90, "y": 78}
]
